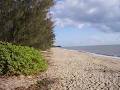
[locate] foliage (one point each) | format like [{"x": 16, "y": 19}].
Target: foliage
[
  {"x": 26, "y": 22},
  {"x": 17, "y": 60}
]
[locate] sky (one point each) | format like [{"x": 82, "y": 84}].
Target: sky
[{"x": 86, "y": 22}]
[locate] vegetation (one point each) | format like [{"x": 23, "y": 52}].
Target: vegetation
[
  {"x": 26, "y": 22},
  {"x": 16, "y": 60}
]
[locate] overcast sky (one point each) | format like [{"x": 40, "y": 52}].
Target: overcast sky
[{"x": 87, "y": 22}]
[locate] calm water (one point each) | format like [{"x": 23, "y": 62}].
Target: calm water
[{"x": 109, "y": 50}]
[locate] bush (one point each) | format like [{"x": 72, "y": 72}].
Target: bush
[{"x": 17, "y": 60}]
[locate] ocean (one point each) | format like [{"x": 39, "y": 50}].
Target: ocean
[{"x": 109, "y": 50}]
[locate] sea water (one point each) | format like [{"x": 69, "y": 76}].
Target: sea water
[{"x": 109, "y": 50}]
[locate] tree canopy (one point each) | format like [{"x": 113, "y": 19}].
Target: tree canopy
[{"x": 27, "y": 22}]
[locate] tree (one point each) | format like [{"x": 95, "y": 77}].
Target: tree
[{"x": 26, "y": 22}]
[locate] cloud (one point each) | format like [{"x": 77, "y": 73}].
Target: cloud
[{"x": 103, "y": 15}]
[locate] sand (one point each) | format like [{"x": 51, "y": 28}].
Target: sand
[
  {"x": 73, "y": 70},
  {"x": 83, "y": 71}
]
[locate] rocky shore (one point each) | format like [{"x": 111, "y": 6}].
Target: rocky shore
[
  {"x": 83, "y": 71},
  {"x": 73, "y": 70}
]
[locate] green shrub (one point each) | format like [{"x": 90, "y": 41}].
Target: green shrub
[{"x": 17, "y": 60}]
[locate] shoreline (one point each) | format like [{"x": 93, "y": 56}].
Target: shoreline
[
  {"x": 74, "y": 70},
  {"x": 84, "y": 71},
  {"x": 100, "y": 55},
  {"x": 94, "y": 54}
]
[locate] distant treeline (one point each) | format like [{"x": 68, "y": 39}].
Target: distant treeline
[{"x": 26, "y": 22}]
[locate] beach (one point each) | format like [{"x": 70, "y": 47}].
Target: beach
[
  {"x": 73, "y": 70},
  {"x": 83, "y": 71}
]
